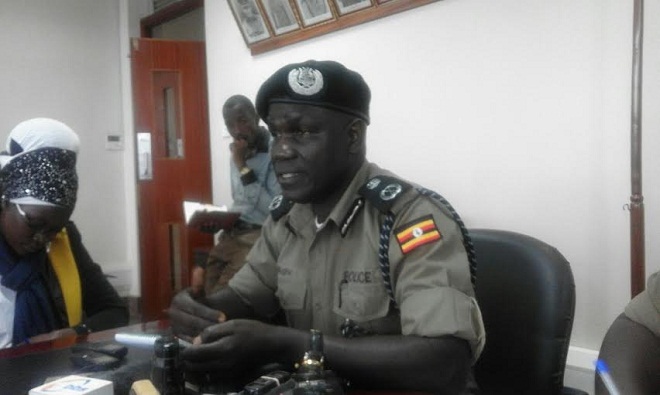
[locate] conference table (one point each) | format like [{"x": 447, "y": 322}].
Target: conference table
[{"x": 28, "y": 366}]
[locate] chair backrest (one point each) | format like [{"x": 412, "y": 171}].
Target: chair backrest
[{"x": 526, "y": 293}]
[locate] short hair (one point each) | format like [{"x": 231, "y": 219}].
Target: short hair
[{"x": 239, "y": 100}]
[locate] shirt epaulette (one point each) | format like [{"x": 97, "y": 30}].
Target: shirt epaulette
[
  {"x": 383, "y": 191},
  {"x": 279, "y": 206}
]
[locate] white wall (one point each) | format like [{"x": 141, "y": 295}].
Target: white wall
[{"x": 517, "y": 112}]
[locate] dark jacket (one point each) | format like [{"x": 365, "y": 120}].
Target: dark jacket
[{"x": 102, "y": 307}]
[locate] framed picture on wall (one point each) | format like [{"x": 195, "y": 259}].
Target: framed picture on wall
[
  {"x": 280, "y": 15},
  {"x": 249, "y": 19},
  {"x": 314, "y": 11},
  {"x": 346, "y": 6}
]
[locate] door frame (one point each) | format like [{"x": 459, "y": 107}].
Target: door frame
[
  {"x": 133, "y": 266},
  {"x": 166, "y": 14},
  {"x": 167, "y": 245}
]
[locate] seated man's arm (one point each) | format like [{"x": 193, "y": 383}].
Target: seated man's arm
[
  {"x": 632, "y": 353},
  {"x": 631, "y": 347},
  {"x": 191, "y": 311},
  {"x": 437, "y": 365}
]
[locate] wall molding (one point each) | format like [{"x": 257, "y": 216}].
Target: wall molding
[{"x": 581, "y": 358}]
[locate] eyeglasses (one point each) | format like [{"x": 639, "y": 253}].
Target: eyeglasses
[{"x": 20, "y": 211}]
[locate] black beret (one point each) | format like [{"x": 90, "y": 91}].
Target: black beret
[{"x": 318, "y": 83}]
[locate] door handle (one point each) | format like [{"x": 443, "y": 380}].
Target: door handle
[{"x": 145, "y": 159}]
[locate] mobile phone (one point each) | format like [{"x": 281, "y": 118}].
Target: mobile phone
[
  {"x": 108, "y": 348},
  {"x": 92, "y": 361}
]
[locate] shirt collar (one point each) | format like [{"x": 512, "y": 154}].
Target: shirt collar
[{"x": 301, "y": 217}]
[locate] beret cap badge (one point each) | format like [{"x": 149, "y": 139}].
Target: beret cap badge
[
  {"x": 327, "y": 84},
  {"x": 305, "y": 81}
]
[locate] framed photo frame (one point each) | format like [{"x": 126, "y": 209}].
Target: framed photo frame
[
  {"x": 249, "y": 19},
  {"x": 280, "y": 15},
  {"x": 314, "y": 11},
  {"x": 347, "y": 6},
  {"x": 313, "y": 18}
]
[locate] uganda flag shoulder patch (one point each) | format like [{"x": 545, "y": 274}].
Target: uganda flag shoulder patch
[{"x": 417, "y": 233}]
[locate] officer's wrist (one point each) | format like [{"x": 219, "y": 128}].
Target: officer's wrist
[{"x": 247, "y": 175}]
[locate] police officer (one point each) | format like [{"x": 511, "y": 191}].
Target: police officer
[{"x": 350, "y": 249}]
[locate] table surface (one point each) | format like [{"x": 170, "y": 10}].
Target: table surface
[{"x": 25, "y": 367}]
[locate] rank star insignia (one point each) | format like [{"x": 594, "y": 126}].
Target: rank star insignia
[
  {"x": 275, "y": 203},
  {"x": 390, "y": 191},
  {"x": 305, "y": 81},
  {"x": 373, "y": 183}
]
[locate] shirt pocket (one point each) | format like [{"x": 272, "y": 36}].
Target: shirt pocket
[
  {"x": 361, "y": 302},
  {"x": 291, "y": 293}
]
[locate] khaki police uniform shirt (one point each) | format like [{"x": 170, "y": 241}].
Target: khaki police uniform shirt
[{"x": 321, "y": 279}]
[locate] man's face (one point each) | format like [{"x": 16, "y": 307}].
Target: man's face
[
  {"x": 241, "y": 123},
  {"x": 310, "y": 152}
]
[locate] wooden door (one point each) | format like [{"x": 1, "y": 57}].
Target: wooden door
[{"x": 172, "y": 132}]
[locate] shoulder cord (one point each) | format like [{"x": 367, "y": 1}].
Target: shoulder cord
[
  {"x": 384, "y": 253},
  {"x": 386, "y": 231}
]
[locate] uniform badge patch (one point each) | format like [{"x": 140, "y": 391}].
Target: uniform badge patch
[{"x": 417, "y": 233}]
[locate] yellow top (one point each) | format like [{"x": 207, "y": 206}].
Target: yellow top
[{"x": 66, "y": 270}]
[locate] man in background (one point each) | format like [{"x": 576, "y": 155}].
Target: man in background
[{"x": 253, "y": 186}]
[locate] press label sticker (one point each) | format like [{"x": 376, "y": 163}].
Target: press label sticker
[{"x": 75, "y": 385}]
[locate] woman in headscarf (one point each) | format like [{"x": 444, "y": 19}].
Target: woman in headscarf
[{"x": 49, "y": 285}]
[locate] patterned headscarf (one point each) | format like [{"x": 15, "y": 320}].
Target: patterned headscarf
[{"x": 39, "y": 166}]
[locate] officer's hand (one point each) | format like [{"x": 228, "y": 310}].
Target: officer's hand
[
  {"x": 189, "y": 315},
  {"x": 231, "y": 347}
]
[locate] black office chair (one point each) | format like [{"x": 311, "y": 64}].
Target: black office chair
[{"x": 526, "y": 293}]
